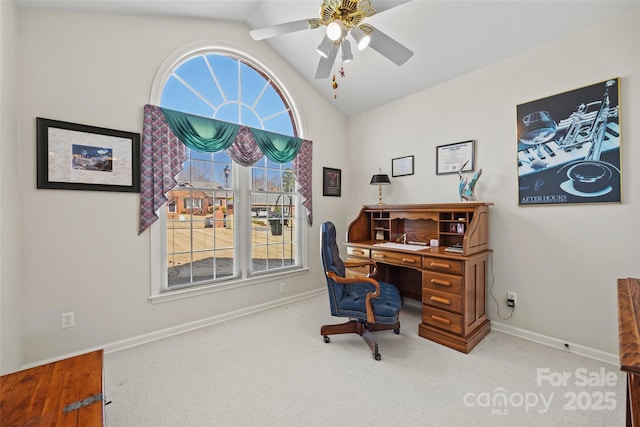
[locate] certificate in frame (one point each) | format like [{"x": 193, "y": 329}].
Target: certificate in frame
[
  {"x": 451, "y": 157},
  {"x": 402, "y": 166}
]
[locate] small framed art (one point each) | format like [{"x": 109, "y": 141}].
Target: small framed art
[
  {"x": 331, "y": 182},
  {"x": 402, "y": 166},
  {"x": 451, "y": 157},
  {"x": 79, "y": 157}
]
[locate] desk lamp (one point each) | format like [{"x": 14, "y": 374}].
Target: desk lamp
[{"x": 380, "y": 179}]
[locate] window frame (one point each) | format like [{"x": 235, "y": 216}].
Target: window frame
[{"x": 160, "y": 292}]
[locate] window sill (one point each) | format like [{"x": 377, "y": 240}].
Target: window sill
[{"x": 225, "y": 286}]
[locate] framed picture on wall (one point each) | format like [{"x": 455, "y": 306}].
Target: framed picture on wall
[
  {"x": 71, "y": 156},
  {"x": 451, "y": 157},
  {"x": 568, "y": 147},
  {"x": 331, "y": 182},
  {"x": 402, "y": 166}
]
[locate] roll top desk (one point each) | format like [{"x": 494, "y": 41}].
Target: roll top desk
[{"x": 450, "y": 285}]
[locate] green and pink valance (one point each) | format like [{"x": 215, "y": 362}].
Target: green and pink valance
[{"x": 167, "y": 133}]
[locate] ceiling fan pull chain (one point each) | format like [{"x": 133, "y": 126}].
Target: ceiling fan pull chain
[{"x": 334, "y": 84}]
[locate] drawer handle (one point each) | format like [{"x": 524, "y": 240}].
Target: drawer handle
[
  {"x": 440, "y": 265},
  {"x": 379, "y": 255},
  {"x": 409, "y": 260},
  {"x": 441, "y": 300},
  {"x": 441, "y": 282},
  {"x": 358, "y": 252},
  {"x": 441, "y": 319}
]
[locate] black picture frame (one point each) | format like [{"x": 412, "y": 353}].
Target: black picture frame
[
  {"x": 569, "y": 147},
  {"x": 402, "y": 166},
  {"x": 73, "y": 156},
  {"x": 331, "y": 182},
  {"x": 451, "y": 157}
]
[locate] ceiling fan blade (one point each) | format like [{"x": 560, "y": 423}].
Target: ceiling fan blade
[
  {"x": 326, "y": 64},
  {"x": 388, "y": 47},
  {"x": 382, "y": 5},
  {"x": 287, "y": 27}
]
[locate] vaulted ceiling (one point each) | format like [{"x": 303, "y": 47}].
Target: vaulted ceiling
[{"x": 448, "y": 38}]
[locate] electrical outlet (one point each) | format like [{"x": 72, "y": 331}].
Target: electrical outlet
[
  {"x": 283, "y": 287},
  {"x": 68, "y": 320},
  {"x": 511, "y": 299}
]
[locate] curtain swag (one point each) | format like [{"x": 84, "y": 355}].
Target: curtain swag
[{"x": 166, "y": 133}]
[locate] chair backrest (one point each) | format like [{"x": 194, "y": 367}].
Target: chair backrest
[{"x": 331, "y": 262}]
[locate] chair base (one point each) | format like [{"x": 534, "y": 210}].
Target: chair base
[{"x": 363, "y": 329}]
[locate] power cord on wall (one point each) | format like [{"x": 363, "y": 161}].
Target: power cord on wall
[{"x": 491, "y": 291}]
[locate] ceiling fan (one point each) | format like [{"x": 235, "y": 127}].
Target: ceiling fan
[{"x": 344, "y": 18}]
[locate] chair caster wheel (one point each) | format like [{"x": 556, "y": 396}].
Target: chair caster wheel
[
  {"x": 377, "y": 356},
  {"x": 327, "y": 339},
  {"x": 396, "y": 331}
]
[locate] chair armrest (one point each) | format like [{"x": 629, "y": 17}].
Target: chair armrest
[
  {"x": 373, "y": 266},
  {"x": 371, "y": 318}
]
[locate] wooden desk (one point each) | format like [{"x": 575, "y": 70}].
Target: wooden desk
[
  {"x": 450, "y": 286},
  {"x": 63, "y": 393},
  {"x": 629, "y": 340}
]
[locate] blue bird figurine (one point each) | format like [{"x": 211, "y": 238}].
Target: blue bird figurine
[{"x": 465, "y": 187}]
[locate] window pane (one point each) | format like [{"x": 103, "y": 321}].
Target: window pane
[
  {"x": 280, "y": 124},
  {"x": 198, "y": 155},
  {"x": 270, "y": 103},
  {"x": 226, "y": 68},
  {"x": 258, "y": 179},
  {"x": 252, "y": 84},
  {"x": 176, "y": 96},
  {"x": 250, "y": 119},
  {"x": 196, "y": 73},
  {"x": 229, "y": 113}
]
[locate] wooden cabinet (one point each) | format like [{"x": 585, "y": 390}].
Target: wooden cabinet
[
  {"x": 68, "y": 392},
  {"x": 451, "y": 286},
  {"x": 454, "y": 303},
  {"x": 629, "y": 342}
]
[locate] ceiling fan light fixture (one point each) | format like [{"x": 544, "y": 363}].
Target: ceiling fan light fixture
[
  {"x": 347, "y": 55},
  {"x": 324, "y": 47},
  {"x": 336, "y": 30},
  {"x": 362, "y": 39}
]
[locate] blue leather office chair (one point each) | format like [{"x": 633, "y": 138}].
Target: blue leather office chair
[{"x": 370, "y": 305}]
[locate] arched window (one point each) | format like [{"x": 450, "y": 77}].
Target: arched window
[{"x": 223, "y": 221}]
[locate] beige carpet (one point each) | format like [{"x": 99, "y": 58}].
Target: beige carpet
[{"x": 273, "y": 369}]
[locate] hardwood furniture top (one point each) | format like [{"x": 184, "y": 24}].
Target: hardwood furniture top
[
  {"x": 63, "y": 393},
  {"x": 629, "y": 324},
  {"x": 423, "y": 222},
  {"x": 629, "y": 340}
]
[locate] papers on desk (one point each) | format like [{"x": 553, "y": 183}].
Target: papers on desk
[{"x": 391, "y": 245}]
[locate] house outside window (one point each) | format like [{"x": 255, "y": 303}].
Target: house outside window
[{"x": 225, "y": 222}]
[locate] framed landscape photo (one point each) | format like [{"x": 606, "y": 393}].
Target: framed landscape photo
[
  {"x": 331, "y": 182},
  {"x": 451, "y": 157},
  {"x": 80, "y": 157},
  {"x": 402, "y": 166}
]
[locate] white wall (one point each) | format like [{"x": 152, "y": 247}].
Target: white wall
[
  {"x": 563, "y": 261},
  {"x": 80, "y": 249},
  {"x": 10, "y": 289}
]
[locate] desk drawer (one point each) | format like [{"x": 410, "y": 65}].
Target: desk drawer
[
  {"x": 358, "y": 252},
  {"x": 442, "y": 319},
  {"x": 397, "y": 258},
  {"x": 443, "y": 264},
  {"x": 442, "y": 282},
  {"x": 357, "y": 271},
  {"x": 443, "y": 300}
]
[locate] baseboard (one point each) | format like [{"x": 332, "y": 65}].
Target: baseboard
[
  {"x": 581, "y": 350},
  {"x": 591, "y": 353},
  {"x": 187, "y": 327}
]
